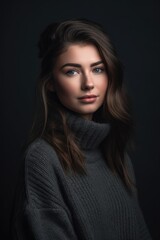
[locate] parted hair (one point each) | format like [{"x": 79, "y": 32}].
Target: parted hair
[{"x": 50, "y": 114}]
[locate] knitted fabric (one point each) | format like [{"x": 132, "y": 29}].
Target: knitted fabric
[{"x": 95, "y": 206}]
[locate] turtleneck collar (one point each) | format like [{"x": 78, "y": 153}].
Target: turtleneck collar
[{"x": 89, "y": 134}]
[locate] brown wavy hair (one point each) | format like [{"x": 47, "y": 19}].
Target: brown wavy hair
[{"x": 54, "y": 40}]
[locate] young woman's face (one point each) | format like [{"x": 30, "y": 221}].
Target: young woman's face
[{"x": 80, "y": 79}]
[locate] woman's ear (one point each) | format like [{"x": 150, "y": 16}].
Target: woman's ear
[{"x": 50, "y": 86}]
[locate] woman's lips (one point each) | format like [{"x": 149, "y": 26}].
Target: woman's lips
[{"x": 88, "y": 98}]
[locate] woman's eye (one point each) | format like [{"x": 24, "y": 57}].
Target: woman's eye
[
  {"x": 71, "y": 72},
  {"x": 98, "y": 70}
]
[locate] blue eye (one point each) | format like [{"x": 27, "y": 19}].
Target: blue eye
[
  {"x": 71, "y": 72},
  {"x": 98, "y": 70}
]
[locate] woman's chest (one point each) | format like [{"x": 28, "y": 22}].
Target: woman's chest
[{"x": 101, "y": 201}]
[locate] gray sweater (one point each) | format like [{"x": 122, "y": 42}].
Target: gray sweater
[{"x": 56, "y": 206}]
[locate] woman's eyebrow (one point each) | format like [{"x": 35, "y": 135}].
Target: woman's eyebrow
[
  {"x": 79, "y": 65},
  {"x": 97, "y": 63}
]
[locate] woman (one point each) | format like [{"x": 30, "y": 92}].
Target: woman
[{"x": 78, "y": 178}]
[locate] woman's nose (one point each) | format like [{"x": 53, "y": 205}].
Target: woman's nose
[{"x": 87, "y": 83}]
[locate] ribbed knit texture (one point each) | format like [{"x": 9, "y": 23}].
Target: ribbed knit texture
[{"x": 69, "y": 207}]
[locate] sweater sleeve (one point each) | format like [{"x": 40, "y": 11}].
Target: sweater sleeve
[
  {"x": 45, "y": 215},
  {"x": 44, "y": 224}
]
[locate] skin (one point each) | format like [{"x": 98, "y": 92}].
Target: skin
[{"x": 80, "y": 79}]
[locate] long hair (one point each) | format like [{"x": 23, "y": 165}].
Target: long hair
[{"x": 50, "y": 116}]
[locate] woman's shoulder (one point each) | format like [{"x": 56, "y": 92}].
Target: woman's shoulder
[
  {"x": 41, "y": 160},
  {"x": 39, "y": 145},
  {"x": 41, "y": 169},
  {"x": 40, "y": 150}
]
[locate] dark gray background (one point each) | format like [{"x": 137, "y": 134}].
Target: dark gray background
[{"x": 134, "y": 27}]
